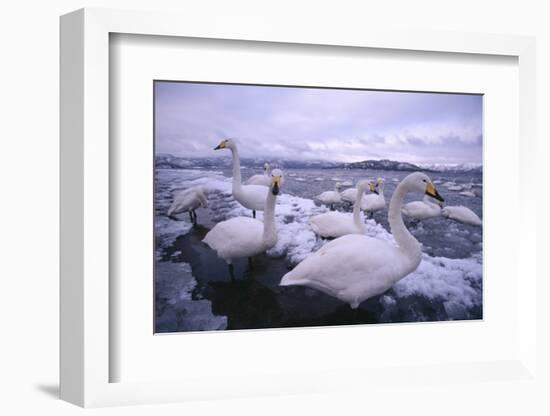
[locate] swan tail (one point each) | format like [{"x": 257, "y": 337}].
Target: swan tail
[{"x": 288, "y": 280}]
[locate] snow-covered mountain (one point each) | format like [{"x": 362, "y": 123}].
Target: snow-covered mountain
[
  {"x": 453, "y": 167},
  {"x": 167, "y": 161}
]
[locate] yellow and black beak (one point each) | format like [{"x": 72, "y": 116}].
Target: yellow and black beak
[
  {"x": 373, "y": 188},
  {"x": 431, "y": 191},
  {"x": 220, "y": 146},
  {"x": 275, "y": 184}
]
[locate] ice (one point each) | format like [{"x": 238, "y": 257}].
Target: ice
[{"x": 174, "y": 306}]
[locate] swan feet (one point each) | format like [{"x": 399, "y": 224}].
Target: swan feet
[
  {"x": 193, "y": 217},
  {"x": 253, "y": 214}
]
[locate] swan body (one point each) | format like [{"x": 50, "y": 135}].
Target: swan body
[
  {"x": 337, "y": 224},
  {"x": 249, "y": 196},
  {"x": 331, "y": 197},
  {"x": 347, "y": 183},
  {"x": 244, "y": 236},
  {"x": 468, "y": 193},
  {"x": 264, "y": 180},
  {"x": 375, "y": 201},
  {"x": 349, "y": 195},
  {"x": 455, "y": 188},
  {"x": 461, "y": 214},
  {"x": 354, "y": 268},
  {"x": 421, "y": 210},
  {"x": 188, "y": 201}
]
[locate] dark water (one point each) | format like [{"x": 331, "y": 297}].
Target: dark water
[{"x": 254, "y": 299}]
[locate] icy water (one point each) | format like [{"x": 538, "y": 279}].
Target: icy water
[{"x": 194, "y": 291}]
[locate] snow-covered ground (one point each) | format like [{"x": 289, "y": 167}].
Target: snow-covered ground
[{"x": 446, "y": 287}]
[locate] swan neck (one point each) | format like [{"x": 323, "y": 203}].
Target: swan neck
[
  {"x": 236, "y": 168},
  {"x": 270, "y": 233},
  {"x": 357, "y": 208},
  {"x": 404, "y": 239}
]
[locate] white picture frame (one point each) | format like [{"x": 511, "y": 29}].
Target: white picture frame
[{"x": 85, "y": 263}]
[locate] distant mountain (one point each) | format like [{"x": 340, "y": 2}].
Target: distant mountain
[
  {"x": 456, "y": 167},
  {"x": 167, "y": 161},
  {"x": 383, "y": 164}
]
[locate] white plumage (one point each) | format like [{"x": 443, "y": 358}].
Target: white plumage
[
  {"x": 331, "y": 197},
  {"x": 188, "y": 201},
  {"x": 375, "y": 201},
  {"x": 354, "y": 268},
  {"x": 264, "y": 180},
  {"x": 461, "y": 214},
  {"x": 249, "y": 196},
  {"x": 337, "y": 224},
  {"x": 243, "y": 236},
  {"x": 421, "y": 210}
]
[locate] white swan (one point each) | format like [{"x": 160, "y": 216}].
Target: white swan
[
  {"x": 188, "y": 201},
  {"x": 336, "y": 224},
  {"x": 331, "y": 197},
  {"x": 264, "y": 179},
  {"x": 461, "y": 214},
  {"x": 353, "y": 268},
  {"x": 244, "y": 236},
  {"x": 468, "y": 193},
  {"x": 375, "y": 201},
  {"x": 421, "y": 210},
  {"x": 249, "y": 196},
  {"x": 348, "y": 195},
  {"x": 455, "y": 188}
]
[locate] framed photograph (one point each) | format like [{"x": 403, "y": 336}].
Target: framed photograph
[{"x": 290, "y": 209}]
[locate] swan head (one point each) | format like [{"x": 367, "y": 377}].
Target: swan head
[
  {"x": 266, "y": 167},
  {"x": 373, "y": 187},
  {"x": 276, "y": 181},
  {"x": 420, "y": 182},
  {"x": 363, "y": 185},
  {"x": 225, "y": 144}
]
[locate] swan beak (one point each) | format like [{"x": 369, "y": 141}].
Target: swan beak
[
  {"x": 220, "y": 146},
  {"x": 373, "y": 188},
  {"x": 431, "y": 191},
  {"x": 275, "y": 183}
]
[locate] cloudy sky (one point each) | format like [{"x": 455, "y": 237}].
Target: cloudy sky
[{"x": 318, "y": 124}]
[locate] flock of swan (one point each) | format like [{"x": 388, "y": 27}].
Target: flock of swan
[{"x": 352, "y": 267}]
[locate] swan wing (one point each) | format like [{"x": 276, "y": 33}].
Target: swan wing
[
  {"x": 236, "y": 237},
  {"x": 332, "y": 224},
  {"x": 329, "y": 197},
  {"x": 351, "y": 268},
  {"x": 262, "y": 180},
  {"x": 251, "y": 196},
  {"x": 461, "y": 214},
  {"x": 187, "y": 200}
]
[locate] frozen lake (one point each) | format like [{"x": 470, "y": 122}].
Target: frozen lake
[{"x": 194, "y": 292}]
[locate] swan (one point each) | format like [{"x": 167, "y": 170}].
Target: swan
[
  {"x": 455, "y": 188},
  {"x": 468, "y": 193},
  {"x": 421, "y": 210},
  {"x": 244, "y": 236},
  {"x": 336, "y": 224},
  {"x": 347, "y": 183},
  {"x": 331, "y": 197},
  {"x": 249, "y": 196},
  {"x": 355, "y": 267},
  {"x": 461, "y": 214},
  {"x": 348, "y": 195},
  {"x": 375, "y": 201},
  {"x": 264, "y": 179},
  {"x": 188, "y": 201}
]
